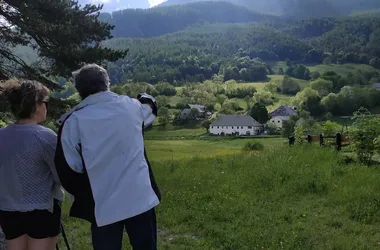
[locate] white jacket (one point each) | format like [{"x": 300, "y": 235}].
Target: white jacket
[{"x": 101, "y": 140}]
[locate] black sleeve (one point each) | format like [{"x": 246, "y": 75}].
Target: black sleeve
[{"x": 70, "y": 180}]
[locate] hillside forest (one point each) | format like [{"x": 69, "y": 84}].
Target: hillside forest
[{"x": 196, "y": 53}]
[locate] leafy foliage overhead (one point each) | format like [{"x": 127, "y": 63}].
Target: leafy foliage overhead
[{"x": 64, "y": 35}]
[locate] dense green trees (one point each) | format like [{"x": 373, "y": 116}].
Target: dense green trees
[
  {"x": 365, "y": 135},
  {"x": 159, "y": 21},
  {"x": 322, "y": 86},
  {"x": 260, "y": 113},
  {"x": 299, "y": 71},
  {"x": 353, "y": 39},
  {"x": 165, "y": 88},
  {"x": 238, "y": 51},
  {"x": 163, "y": 116},
  {"x": 338, "y": 95},
  {"x": 203, "y": 52},
  {"x": 350, "y": 99},
  {"x": 289, "y": 86}
]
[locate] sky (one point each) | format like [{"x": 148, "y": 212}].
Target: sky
[
  {"x": 155, "y": 2},
  {"x": 127, "y": 3}
]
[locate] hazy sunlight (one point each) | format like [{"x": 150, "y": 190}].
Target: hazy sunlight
[{"x": 155, "y": 2}]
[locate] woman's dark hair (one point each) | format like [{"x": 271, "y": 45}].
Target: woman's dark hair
[{"x": 23, "y": 96}]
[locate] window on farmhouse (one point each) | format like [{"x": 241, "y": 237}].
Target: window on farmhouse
[{"x": 249, "y": 126}]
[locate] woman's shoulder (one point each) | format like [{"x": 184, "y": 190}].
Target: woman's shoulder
[
  {"x": 45, "y": 133},
  {"x": 43, "y": 129}
]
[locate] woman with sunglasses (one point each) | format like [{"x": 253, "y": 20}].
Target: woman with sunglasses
[{"x": 30, "y": 191}]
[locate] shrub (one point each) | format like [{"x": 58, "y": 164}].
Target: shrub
[
  {"x": 253, "y": 146},
  {"x": 315, "y": 75},
  {"x": 364, "y": 135},
  {"x": 166, "y": 89},
  {"x": 289, "y": 86},
  {"x": 2, "y": 124},
  {"x": 299, "y": 134}
]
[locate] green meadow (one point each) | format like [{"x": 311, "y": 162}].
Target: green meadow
[
  {"x": 203, "y": 148},
  {"x": 215, "y": 196}
]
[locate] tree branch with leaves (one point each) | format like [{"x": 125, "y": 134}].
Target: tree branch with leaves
[{"x": 64, "y": 34}]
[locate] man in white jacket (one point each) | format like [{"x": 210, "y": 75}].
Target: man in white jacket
[{"x": 101, "y": 161}]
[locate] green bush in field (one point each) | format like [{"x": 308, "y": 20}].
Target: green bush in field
[
  {"x": 2, "y": 124},
  {"x": 299, "y": 134},
  {"x": 365, "y": 135},
  {"x": 330, "y": 128},
  {"x": 253, "y": 146}
]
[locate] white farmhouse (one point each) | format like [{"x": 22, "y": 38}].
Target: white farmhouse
[
  {"x": 202, "y": 111},
  {"x": 277, "y": 121},
  {"x": 235, "y": 125},
  {"x": 376, "y": 86},
  {"x": 279, "y": 115}
]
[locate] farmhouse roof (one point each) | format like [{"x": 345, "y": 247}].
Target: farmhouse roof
[
  {"x": 284, "y": 118},
  {"x": 376, "y": 85},
  {"x": 283, "y": 111},
  {"x": 235, "y": 120},
  {"x": 200, "y": 108}
]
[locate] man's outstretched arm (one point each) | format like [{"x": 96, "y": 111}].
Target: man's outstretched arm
[{"x": 149, "y": 108}]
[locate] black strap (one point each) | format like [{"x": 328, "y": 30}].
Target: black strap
[{"x": 64, "y": 238}]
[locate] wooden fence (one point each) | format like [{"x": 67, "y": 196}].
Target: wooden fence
[{"x": 339, "y": 140}]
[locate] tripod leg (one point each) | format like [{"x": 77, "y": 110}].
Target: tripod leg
[{"x": 65, "y": 237}]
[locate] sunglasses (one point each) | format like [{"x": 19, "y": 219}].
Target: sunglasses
[{"x": 46, "y": 103}]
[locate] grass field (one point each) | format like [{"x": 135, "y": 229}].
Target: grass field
[
  {"x": 281, "y": 198},
  {"x": 209, "y": 147},
  {"x": 172, "y": 132}
]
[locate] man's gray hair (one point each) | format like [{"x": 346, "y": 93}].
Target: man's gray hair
[{"x": 91, "y": 79}]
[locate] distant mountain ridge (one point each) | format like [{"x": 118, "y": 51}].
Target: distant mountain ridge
[
  {"x": 163, "y": 20},
  {"x": 298, "y": 9},
  {"x": 266, "y": 6}
]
